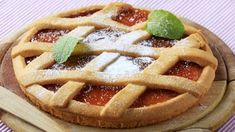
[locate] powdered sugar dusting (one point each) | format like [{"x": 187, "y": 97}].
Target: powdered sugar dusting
[
  {"x": 49, "y": 73},
  {"x": 103, "y": 34},
  {"x": 41, "y": 94},
  {"x": 202, "y": 107},
  {"x": 128, "y": 65},
  {"x": 142, "y": 62},
  {"x": 122, "y": 66}
]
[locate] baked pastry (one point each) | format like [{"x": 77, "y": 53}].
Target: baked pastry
[{"x": 119, "y": 76}]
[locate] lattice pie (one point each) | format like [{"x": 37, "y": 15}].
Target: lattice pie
[{"x": 119, "y": 75}]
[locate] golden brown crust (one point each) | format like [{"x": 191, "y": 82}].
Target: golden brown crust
[{"x": 32, "y": 76}]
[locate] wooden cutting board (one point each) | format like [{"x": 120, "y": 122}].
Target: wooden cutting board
[{"x": 211, "y": 112}]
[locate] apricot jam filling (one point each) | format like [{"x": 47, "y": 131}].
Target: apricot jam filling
[
  {"x": 83, "y": 13},
  {"x": 52, "y": 35},
  {"x": 52, "y": 87},
  {"x": 49, "y": 35},
  {"x": 73, "y": 63},
  {"x": 100, "y": 95},
  {"x": 186, "y": 69},
  {"x": 29, "y": 59},
  {"x": 97, "y": 94},
  {"x": 130, "y": 16},
  {"x": 158, "y": 42},
  {"x": 154, "y": 96}
]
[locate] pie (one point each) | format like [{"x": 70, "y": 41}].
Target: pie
[{"x": 120, "y": 76}]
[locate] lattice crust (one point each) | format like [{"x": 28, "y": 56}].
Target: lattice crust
[{"x": 116, "y": 113}]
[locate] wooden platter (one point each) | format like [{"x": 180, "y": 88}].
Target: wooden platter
[{"x": 209, "y": 114}]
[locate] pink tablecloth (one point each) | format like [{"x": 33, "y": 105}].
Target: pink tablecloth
[
  {"x": 4, "y": 128},
  {"x": 216, "y": 15}
]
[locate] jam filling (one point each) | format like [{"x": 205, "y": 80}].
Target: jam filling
[
  {"x": 100, "y": 95},
  {"x": 186, "y": 69},
  {"x": 52, "y": 87},
  {"x": 73, "y": 63},
  {"x": 97, "y": 94},
  {"x": 103, "y": 34},
  {"x": 158, "y": 42},
  {"x": 131, "y": 16},
  {"x": 29, "y": 59},
  {"x": 49, "y": 35},
  {"x": 150, "y": 97},
  {"x": 83, "y": 13},
  {"x": 52, "y": 35}
]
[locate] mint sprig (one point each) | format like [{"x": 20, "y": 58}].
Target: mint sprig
[
  {"x": 64, "y": 48},
  {"x": 164, "y": 24}
]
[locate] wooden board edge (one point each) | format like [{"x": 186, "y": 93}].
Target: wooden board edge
[
  {"x": 18, "y": 125},
  {"x": 195, "y": 130},
  {"x": 221, "y": 113},
  {"x": 221, "y": 71}
]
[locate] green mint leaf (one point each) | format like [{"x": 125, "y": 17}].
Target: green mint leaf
[
  {"x": 164, "y": 24},
  {"x": 64, "y": 48}
]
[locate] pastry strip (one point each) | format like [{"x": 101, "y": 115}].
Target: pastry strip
[
  {"x": 62, "y": 97},
  {"x": 122, "y": 100}
]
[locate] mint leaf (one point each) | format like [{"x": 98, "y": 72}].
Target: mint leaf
[
  {"x": 64, "y": 48},
  {"x": 164, "y": 24}
]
